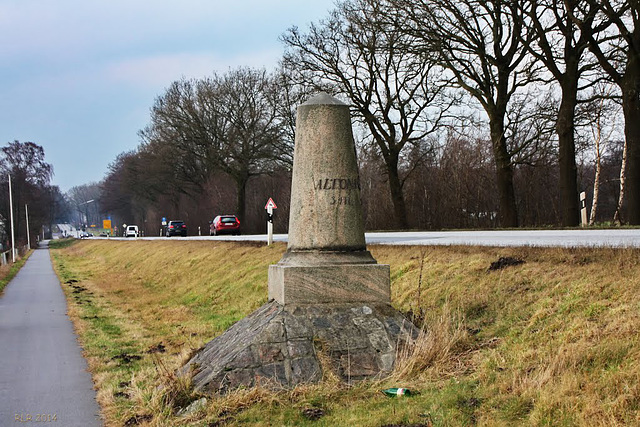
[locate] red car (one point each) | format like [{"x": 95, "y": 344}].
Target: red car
[{"x": 221, "y": 224}]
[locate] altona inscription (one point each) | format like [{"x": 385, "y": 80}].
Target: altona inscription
[
  {"x": 340, "y": 185},
  {"x": 337, "y": 184}
]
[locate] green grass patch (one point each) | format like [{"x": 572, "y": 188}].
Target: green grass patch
[{"x": 62, "y": 243}]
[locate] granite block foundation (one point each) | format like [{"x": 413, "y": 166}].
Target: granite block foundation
[{"x": 281, "y": 347}]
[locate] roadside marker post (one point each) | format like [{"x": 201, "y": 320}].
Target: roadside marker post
[
  {"x": 583, "y": 209},
  {"x": 270, "y": 206}
]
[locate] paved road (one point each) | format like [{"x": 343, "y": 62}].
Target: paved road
[
  {"x": 68, "y": 230},
  {"x": 43, "y": 376},
  {"x": 546, "y": 238}
]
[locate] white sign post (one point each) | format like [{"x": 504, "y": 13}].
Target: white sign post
[{"x": 270, "y": 206}]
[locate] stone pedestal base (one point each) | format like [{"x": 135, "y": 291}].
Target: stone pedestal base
[
  {"x": 326, "y": 284},
  {"x": 280, "y": 346}
]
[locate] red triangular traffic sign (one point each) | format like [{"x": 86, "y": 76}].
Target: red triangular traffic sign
[{"x": 271, "y": 203}]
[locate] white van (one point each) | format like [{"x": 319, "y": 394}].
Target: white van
[{"x": 132, "y": 231}]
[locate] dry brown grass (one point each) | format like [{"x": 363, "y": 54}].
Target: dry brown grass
[
  {"x": 155, "y": 303},
  {"x": 550, "y": 342},
  {"x": 434, "y": 346}
]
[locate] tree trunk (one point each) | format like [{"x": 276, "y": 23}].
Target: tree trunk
[
  {"x": 397, "y": 198},
  {"x": 596, "y": 184},
  {"x": 631, "y": 109},
  {"x": 570, "y": 205},
  {"x": 623, "y": 171},
  {"x": 597, "y": 137},
  {"x": 241, "y": 194},
  {"x": 508, "y": 214}
]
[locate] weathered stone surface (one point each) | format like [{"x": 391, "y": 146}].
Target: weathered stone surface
[
  {"x": 387, "y": 361},
  {"x": 296, "y": 325},
  {"x": 269, "y": 352},
  {"x": 244, "y": 358},
  {"x": 232, "y": 379},
  {"x": 300, "y": 348},
  {"x": 326, "y": 211},
  {"x": 327, "y": 261},
  {"x": 355, "y": 339},
  {"x": 273, "y": 333},
  {"x": 194, "y": 407},
  {"x": 305, "y": 370},
  {"x": 344, "y": 338},
  {"x": 274, "y": 374},
  {"x": 326, "y": 284},
  {"x": 356, "y": 365}
]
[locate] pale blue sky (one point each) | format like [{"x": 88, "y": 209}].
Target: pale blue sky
[{"x": 79, "y": 77}]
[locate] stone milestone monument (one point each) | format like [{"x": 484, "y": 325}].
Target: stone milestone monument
[{"x": 329, "y": 300}]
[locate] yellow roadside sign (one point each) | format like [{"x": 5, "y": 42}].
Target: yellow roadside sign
[{"x": 106, "y": 223}]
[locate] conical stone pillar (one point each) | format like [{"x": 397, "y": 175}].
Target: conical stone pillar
[
  {"x": 327, "y": 294},
  {"x": 326, "y": 259}
]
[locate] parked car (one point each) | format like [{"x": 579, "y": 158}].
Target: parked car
[
  {"x": 222, "y": 224},
  {"x": 176, "y": 228},
  {"x": 132, "y": 231}
]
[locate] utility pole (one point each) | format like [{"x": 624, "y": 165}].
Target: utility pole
[
  {"x": 26, "y": 212},
  {"x": 13, "y": 240}
]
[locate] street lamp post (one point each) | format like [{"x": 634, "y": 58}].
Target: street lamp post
[
  {"x": 86, "y": 210},
  {"x": 13, "y": 240},
  {"x": 26, "y": 212}
]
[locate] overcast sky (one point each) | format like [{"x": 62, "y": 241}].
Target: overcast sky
[{"x": 79, "y": 77}]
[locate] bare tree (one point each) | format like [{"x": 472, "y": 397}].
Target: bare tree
[
  {"x": 560, "y": 45},
  {"x": 227, "y": 122},
  {"x": 252, "y": 141},
  {"x": 616, "y": 45},
  {"x": 603, "y": 112},
  {"x": 396, "y": 94},
  {"x": 30, "y": 178},
  {"x": 291, "y": 93},
  {"x": 483, "y": 43},
  {"x": 85, "y": 200},
  {"x": 178, "y": 131}
]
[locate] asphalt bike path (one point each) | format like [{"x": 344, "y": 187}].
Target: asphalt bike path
[{"x": 43, "y": 375}]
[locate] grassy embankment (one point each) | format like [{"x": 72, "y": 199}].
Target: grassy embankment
[{"x": 553, "y": 341}]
